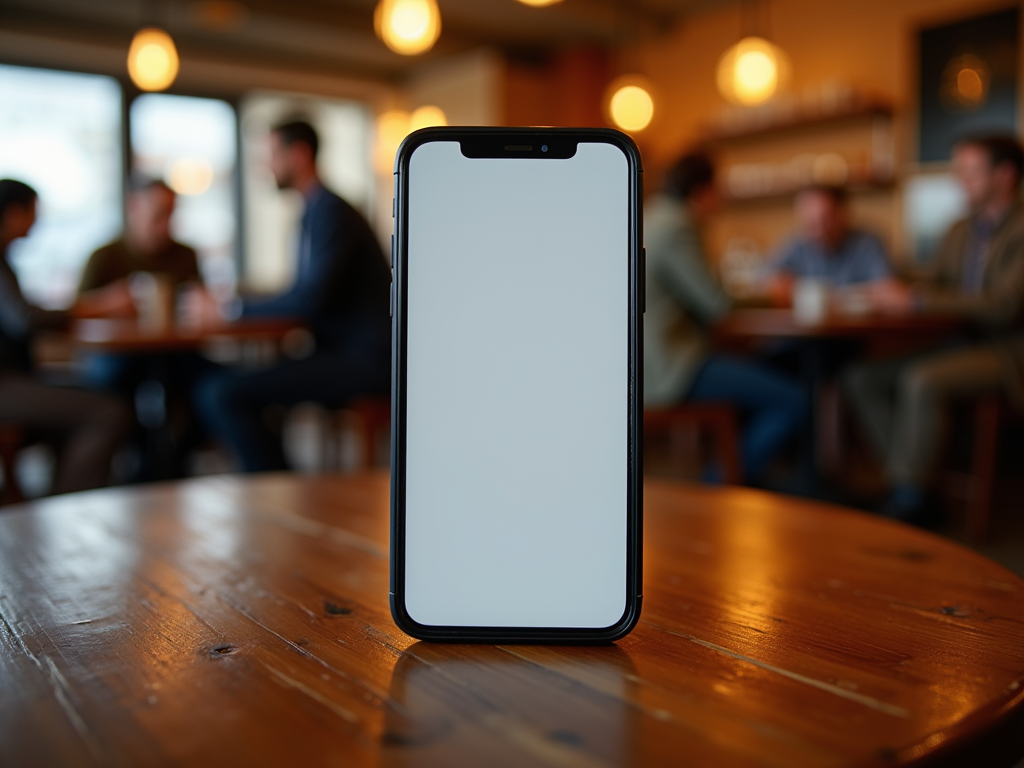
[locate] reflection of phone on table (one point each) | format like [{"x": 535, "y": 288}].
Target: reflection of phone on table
[{"x": 516, "y": 495}]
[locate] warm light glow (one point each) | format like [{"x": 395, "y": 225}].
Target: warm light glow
[
  {"x": 539, "y": 3},
  {"x": 393, "y": 126},
  {"x": 751, "y": 71},
  {"x": 965, "y": 83},
  {"x": 426, "y": 117},
  {"x": 152, "y": 59},
  {"x": 408, "y": 26},
  {"x": 630, "y": 105},
  {"x": 189, "y": 176}
]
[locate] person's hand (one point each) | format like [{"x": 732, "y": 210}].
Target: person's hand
[
  {"x": 114, "y": 300},
  {"x": 197, "y": 308},
  {"x": 779, "y": 290},
  {"x": 889, "y": 297}
]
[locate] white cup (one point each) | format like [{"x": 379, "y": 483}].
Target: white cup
[
  {"x": 153, "y": 296},
  {"x": 810, "y": 301}
]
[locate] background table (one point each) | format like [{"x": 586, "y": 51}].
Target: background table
[
  {"x": 230, "y": 621},
  {"x": 128, "y": 336},
  {"x": 780, "y": 323},
  {"x": 813, "y": 346}
]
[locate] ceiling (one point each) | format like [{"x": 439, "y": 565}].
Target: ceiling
[{"x": 337, "y": 36}]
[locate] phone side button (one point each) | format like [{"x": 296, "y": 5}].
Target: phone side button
[
  {"x": 391, "y": 301},
  {"x": 643, "y": 280}
]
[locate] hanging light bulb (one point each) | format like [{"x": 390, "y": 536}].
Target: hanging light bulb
[
  {"x": 629, "y": 103},
  {"x": 407, "y": 26},
  {"x": 539, "y": 3},
  {"x": 152, "y": 59},
  {"x": 394, "y": 125},
  {"x": 752, "y": 71}
]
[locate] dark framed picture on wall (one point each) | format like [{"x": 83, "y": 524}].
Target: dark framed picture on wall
[{"x": 969, "y": 74}]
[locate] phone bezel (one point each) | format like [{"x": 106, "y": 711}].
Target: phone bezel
[{"x": 481, "y": 142}]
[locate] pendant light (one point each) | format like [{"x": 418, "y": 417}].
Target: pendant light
[
  {"x": 629, "y": 104},
  {"x": 752, "y": 71},
  {"x": 394, "y": 125},
  {"x": 152, "y": 59},
  {"x": 629, "y": 99},
  {"x": 408, "y": 27},
  {"x": 539, "y": 3}
]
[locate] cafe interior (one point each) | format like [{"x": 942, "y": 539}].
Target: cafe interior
[{"x": 792, "y": 133}]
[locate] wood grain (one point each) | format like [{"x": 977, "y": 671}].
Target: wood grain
[{"x": 232, "y": 621}]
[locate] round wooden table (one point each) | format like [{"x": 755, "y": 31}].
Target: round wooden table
[{"x": 230, "y": 621}]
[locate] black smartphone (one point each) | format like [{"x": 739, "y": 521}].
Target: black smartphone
[{"x": 517, "y": 391}]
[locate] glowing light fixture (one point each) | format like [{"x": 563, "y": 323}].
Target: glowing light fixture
[
  {"x": 408, "y": 27},
  {"x": 189, "y": 175},
  {"x": 965, "y": 83},
  {"x": 427, "y": 116},
  {"x": 152, "y": 59},
  {"x": 393, "y": 126},
  {"x": 629, "y": 103},
  {"x": 539, "y": 3},
  {"x": 752, "y": 71}
]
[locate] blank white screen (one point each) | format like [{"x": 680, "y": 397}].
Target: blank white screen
[{"x": 517, "y": 389}]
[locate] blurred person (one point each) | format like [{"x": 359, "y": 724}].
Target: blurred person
[
  {"x": 826, "y": 247},
  {"x": 159, "y": 383},
  {"x": 341, "y": 291},
  {"x": 683, "y": 301},
  {"x": 88, "y": 427},
  {"x": 979, "y": 276}
]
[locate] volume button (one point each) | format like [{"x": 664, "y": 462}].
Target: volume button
[{"x": 643, "y": 280}]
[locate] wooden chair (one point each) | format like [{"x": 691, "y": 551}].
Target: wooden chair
[
  {"x": 977, "y": 485},
  {"x": 11, "y": 440},
  {"x": 369, "y": 417},
  {"x": 717, "y": 420}
]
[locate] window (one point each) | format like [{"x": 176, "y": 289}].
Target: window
[
  {"x": 271, "y": 217},
  {"x": 191, "y": 143},
  {"x": 60, "y": 132}
]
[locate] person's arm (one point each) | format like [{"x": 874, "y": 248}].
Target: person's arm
[
  {"x": 1000, "y": 306},
  {"x": 685, "y": 275},
  {"x": 114, "y": 300},
  {"x": 780, "y": 277},
  {"x": 331, "y": 250},
  {"x": 18, "y": 318}
]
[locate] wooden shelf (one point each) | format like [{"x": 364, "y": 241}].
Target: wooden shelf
[
  {"x": 854, "y": 187},
  {"x": 798, "y": 121}
]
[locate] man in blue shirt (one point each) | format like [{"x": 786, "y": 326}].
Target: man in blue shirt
[
  {"x": 827, "y": 248},
  {"x": 341, "y": 290}
]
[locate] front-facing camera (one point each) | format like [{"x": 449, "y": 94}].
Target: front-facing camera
[{"x": 544, "y": 148}]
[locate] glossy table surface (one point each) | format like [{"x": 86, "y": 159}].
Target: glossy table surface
[
  {"x": 131, "y": 336},
  {"x": 742, "y": 323},
  {"x": 244, "y": 621}
]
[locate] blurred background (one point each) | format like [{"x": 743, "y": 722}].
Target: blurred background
[{"x": 868, "y": 96}]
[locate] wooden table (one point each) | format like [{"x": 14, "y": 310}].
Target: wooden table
[
  {"x": 822, "y": 447},
  {"x": 244, "y": 622},
  {"x": 128, "y": 336},
  {"x": 780, "y": 323}
]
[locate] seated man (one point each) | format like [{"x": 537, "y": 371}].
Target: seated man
[
  {"x": 88, "y": 427},
  {"x": 341, "y": 290},
  {"x": 105, "y": 286},
  {"x": 159, "y": 384},
  {"x": 826, "y": 248},
  {"x": 979, "y": 277},
  {"x": 683, "y": 300}
]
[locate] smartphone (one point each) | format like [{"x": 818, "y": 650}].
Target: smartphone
[{"x": 516, "y": 406}]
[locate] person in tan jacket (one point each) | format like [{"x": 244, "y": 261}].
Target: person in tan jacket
[{"x": 978, "y": 276}]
